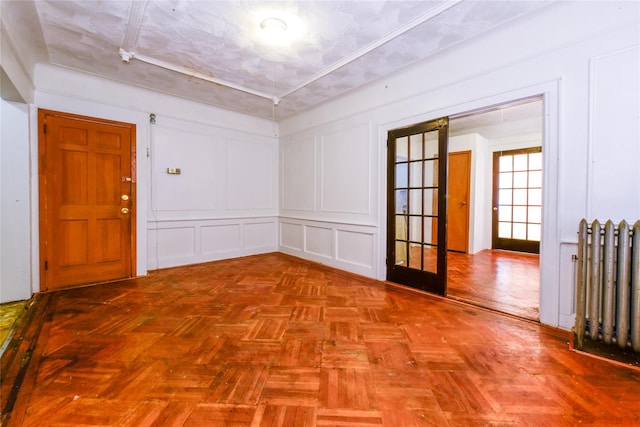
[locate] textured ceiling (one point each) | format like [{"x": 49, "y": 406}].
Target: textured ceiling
[{"x": 336, "y": 46}]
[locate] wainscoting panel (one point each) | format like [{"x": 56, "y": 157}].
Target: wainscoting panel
[
  {"x": 356, "y": 247},
  {"x": 175, "y": 242},
  {"x": 184, "y": 242},
  {"x": 344, "y": 246},
  {"x": 219, "y": 238},
  {"x": 261, "y": 236},
  {"x": 291, "y": 236},
  {"x": 319, "y": 241}
]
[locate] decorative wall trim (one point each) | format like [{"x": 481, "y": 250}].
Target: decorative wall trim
[
  {"x": 351, "y": 248},
  {"x": 183, "y": 242}
]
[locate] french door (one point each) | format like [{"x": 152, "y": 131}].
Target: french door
[
  {"x": 417, "y": 206},
  {"x": 517, "y": 199}
]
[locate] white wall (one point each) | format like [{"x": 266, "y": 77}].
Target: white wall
[
  {"x": 587, "y": 71},
  {"x": 331, "y": 173},
  {"x": 223, "y": 204},
  {"x": 15, "y": 262}
]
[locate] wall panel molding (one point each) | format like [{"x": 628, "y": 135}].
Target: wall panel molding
[
  {"x": 345, "y": 246},
  {"x": 183, "y": 242}
]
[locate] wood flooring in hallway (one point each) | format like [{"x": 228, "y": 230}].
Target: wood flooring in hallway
[
  {"x": 500, "y": 280},
  {"x": 271, "y": 340}
]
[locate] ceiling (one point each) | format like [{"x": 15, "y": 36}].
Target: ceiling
[{"x": 213, "y": 52}]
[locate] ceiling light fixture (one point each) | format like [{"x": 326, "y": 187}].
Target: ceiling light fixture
[{"x": 274, "y": 30}]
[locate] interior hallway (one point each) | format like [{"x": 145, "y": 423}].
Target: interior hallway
[
  {"x": 271, "y": 340},
  {"x": 500, "y": 280}
]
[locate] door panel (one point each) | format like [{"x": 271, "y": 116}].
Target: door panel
[
  {"x": 87, "y": 192},
  {"x": 416, "y": 217},
  {"x": 517, "y": 199},
  {"x": 458, "y": 212}
]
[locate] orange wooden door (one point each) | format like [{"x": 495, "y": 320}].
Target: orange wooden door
[
  {"x": 458, "y": 207},
  {"x": 87, "y": 192}
]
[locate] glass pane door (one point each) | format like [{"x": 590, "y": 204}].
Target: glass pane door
[
  {"x": 517, "y": 199},
  {"x": 416, "y": 217}
]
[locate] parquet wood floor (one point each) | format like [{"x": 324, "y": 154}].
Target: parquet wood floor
[
  {"x": 501, "y": 280},
  {"x": 271, "y": 340}
]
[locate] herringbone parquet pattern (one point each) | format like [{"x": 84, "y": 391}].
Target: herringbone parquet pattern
[{"x": 274, "y": 341}]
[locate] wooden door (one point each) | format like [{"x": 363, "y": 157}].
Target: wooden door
[
  {"x": 417, "y": 206},
  {"x": 458, "y": 206},
  {"x": 87, "y": 195}
]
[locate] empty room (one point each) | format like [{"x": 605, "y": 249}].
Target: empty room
[{"x": 320, "y": 213}]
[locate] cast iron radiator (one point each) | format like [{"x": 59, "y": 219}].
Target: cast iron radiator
[{"x": 608, "y": 285}]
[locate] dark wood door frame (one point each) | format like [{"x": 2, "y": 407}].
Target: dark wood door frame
[{"x": 420, "y": 278}]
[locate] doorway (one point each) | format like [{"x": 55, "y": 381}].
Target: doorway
[
  {"x": 501, "y": 269},
  {"x": 87, "y": 195},
  {"x": 476, "y": 271}
]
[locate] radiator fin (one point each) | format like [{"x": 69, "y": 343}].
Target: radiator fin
[{"x": 608, "y": 284}]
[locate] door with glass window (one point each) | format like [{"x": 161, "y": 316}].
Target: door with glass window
[
  {"x": 517, "y": 199},
  {"x": 417, "y": 206}
]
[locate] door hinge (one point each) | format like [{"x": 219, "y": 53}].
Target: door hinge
[
  {"x": 44, "y": 128},
  {"x": 46, "y": 265}
]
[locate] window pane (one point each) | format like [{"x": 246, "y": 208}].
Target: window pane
[
  {"x": 415, "y": 147},
  {"x": 415, "y": 174},
  {"x": 535, "y": 179},
  {"x": 520, "y": 180},
  {"x": 535, "y": 197},
  {"x": 535, "y": 214},
  {"x": 534, "y": 232},
  {"x": 431, "y": 173},
  {"x": 401, "y": 201},
  {"x": 519, "y": 197},
  {"x": 431, "y": 231},
  {"x": 401, "y": 253},
  {"x": 431, "y": 202},
  {"x": 430, "y": 258},
  {"x": 504, "y": 230},
  {"x": 431, "y": 144},
  {"x": 504, "y": 213},
  {"x": 520, "y": 213},
  {"x": 401, "y": 227},
  {"x": 415, "y": 201},
  {"x": 506, "y": 180},
  {"x": 535, "y": 161},
  {"x": 505, "y": 197},
  {"x": 520, "y": 162},
  {"x": 402, "y": 149},
  {"x": 415, "y": 256},
  {"x": 415, "y": 228},
  {"x": 506, "y": 164},
  {"x": 519, "y": 231},
  {"x": 401, "y": 175}
]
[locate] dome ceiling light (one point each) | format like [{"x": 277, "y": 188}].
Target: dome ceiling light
[{"x": 274, "y": 30}]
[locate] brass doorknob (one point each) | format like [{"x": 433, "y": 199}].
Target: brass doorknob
[
  {"x": 124, "y": 210},
  {"x": 495, "y": 208},
  {"x": 125, "y": 197}
]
